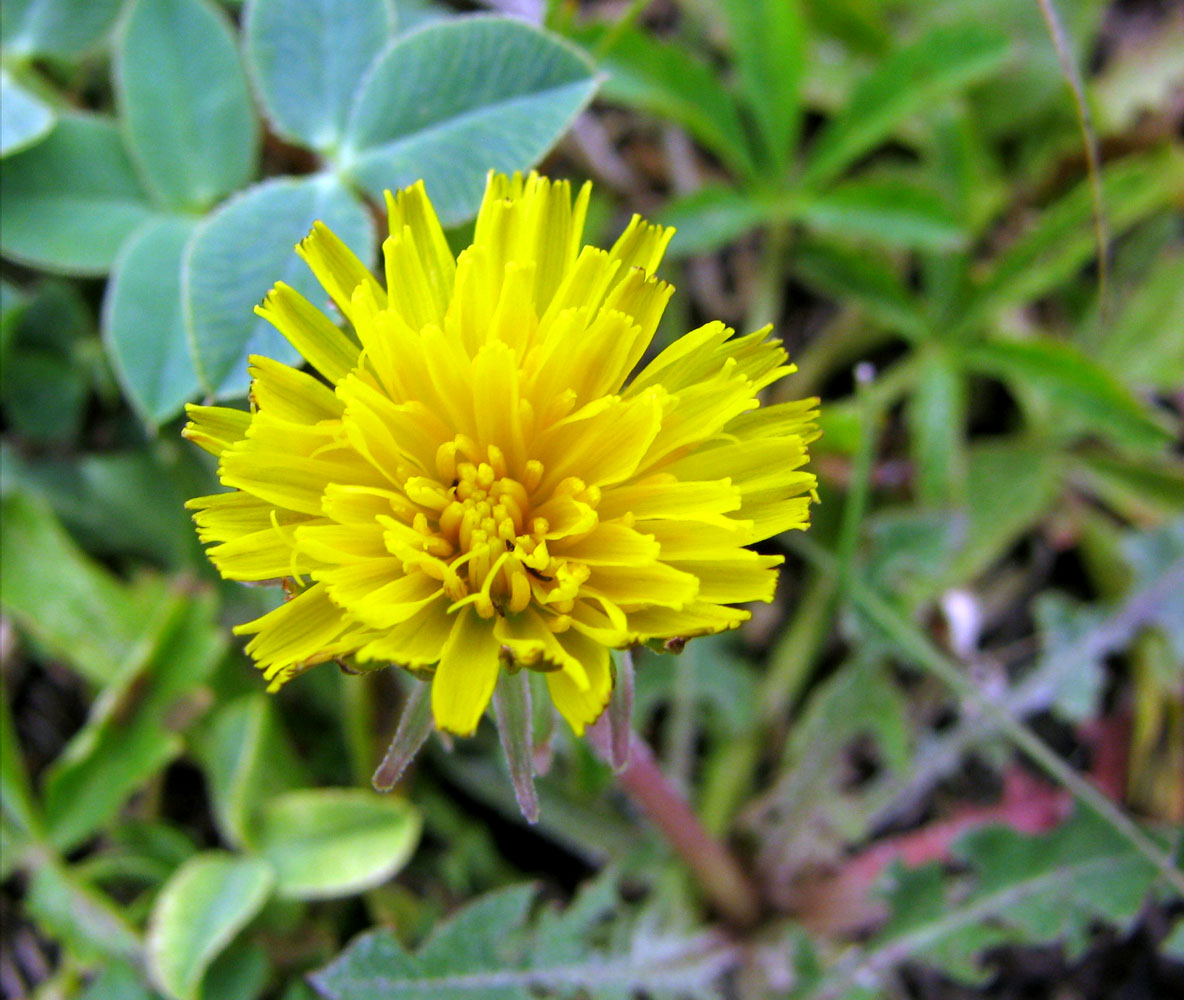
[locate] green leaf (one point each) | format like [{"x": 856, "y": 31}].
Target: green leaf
[
  {"x": 666, "y": 80},
  {"x": 488, "y": 950},
  {"x": 127, "y": 738},
  {"x": 45, "y": 381},
  {"x": 240, "y": 251},
  {"x": 888, "y": 212},
  {"x": 769, "y": 46},
  {"x": 24, "y": 117},
  {"x": 328, "y": 842},
  {"x": 908, "y": 82},
  {"x": 1070, "y": 379},
  {"x": 99, "y": 497},
  {"x": 21, "y": 824},
  {"x": 55, "y": 27},
  {"x": 184, "y": 102},
  {"x": 69, "y": 604},
  {"x": 246, "y": 761},
  {"x": 71, "y": 200},
  {"x": 483, "y": 84},
  {"x": 1144, "y": 344},
  {"x": 859, "y": 278},
  {"x": 1062, "y": 239},
  {"x": 143, "y": 323},
  {"x": 79, "y": 916},
  {"x": 1009, "y": 486},
  {"x": 713, "y": 217},
  {"x": 117, "y": 981},
  {"x": 308, "y": 58},
  {"x": 937, "y": 433},
  {"x": 203, "y": 906}
]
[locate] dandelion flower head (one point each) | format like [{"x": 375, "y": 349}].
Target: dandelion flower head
[{"x": 482, "y": 474}]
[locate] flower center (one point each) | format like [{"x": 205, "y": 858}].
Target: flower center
[{"x": 481, "y": 537}]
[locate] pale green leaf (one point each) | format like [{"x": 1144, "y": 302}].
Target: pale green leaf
[
  {"x": 55, "y": 27},
  {"x": 437, "y": 96},
  {"x": 184, "y": 102},
  {"x": 243, "y": 249},
  {"x": 143, "y": 324},
  {"x": 308, "y": 58},
  {"x": 203, "y": 906},
  {"x": 24, "y": 117},
  {"x": 329, "y": 842},
  {"x": 72, "y": 199}
]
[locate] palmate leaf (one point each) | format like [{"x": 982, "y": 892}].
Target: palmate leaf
[
  {"x": 1023, "y": 890},
  {"x": 495, "y": 950}
]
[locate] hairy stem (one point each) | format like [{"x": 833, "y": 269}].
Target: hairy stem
[{"x": 714, "y": 867}]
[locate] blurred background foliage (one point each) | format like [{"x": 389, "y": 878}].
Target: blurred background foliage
[{"x": 999, "y": 553}]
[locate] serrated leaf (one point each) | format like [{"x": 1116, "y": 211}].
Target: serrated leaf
[
  {"x": 327, "y": 842},
  {"x": 24, "y": 117},
  {"x": 308, "y": 58},
  {"x": 72, "y": 199},
  {"x": 1070, "y": 379},
  {"x": 490, "y": 950},
  {"x": 910, "y": 80},
  {"x": 769, "y": 47},
  {"x": 184, "y": 102},
  {"x": 55, "y": 27},
  {"x": 240, "y": 251},
  {"x": 143, "y": 321},
  {"x": 1027, "y": 889},
  {"x": 201, "y": 908},
  {"x": 439, "y": 93}
]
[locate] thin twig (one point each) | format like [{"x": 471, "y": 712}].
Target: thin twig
[{"x": 1089, "y": 137}]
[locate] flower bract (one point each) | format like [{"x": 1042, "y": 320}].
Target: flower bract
[{"x": 483, "y": 473}]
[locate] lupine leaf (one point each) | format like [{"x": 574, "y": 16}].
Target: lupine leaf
[
  {"x": 909, "y": 81},
  {"x": 24, "y": 117}
]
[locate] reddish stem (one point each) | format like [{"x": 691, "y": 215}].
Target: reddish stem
[{"x": 717, "y": 871}]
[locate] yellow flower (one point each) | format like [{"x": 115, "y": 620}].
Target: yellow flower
[{"x": 476, "y": 482}]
